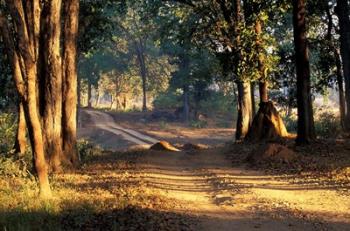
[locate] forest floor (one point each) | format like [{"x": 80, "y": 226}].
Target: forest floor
[
  {"x": 213, "y": 188},
  {"x": 216, "y": 190}
]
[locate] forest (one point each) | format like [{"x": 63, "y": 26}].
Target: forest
[{"x": 175, "y": 115}]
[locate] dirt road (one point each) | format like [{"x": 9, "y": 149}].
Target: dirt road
[
  {"x": 105, "y": 122},
  {"x": 205, "y": 184}
]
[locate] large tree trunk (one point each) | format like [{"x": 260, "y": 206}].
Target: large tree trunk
[
  {"x": 35, "y": 131},
  {"x": 34, "y": 47},
  {"x": 263, "y": 92},
  {"x": 244, "y": 104},
  {"x": 21, "y": 139},
  {"x": 69, "y": 115},
  {"x": 263, "y": 86},
  {"x": 24, "y": 56},
  {"x": 306, "y": 130},
  {"x": 51, "y": 83},
  {"x": 244, "y": 107},
  {"x": 343, "y": 11}
]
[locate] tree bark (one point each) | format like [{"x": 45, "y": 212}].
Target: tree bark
[
  {"x": 343, "y": 11},
  {"x": 263, "y": 86},
  {"x": 252, "y": 90},
  {"x": 51, "y": 83},
  {"x": 306, "y": 130},
  {"x": 340, "y": 82},
  {"x": 34, "y": 47},
  {"x": 244, "y": 106},
  {"x": 69, "y": 115},
  {"x": 21, "y": 139},
  {"x": 263, "y": 92},
  {"x": 24, "y": 57}
]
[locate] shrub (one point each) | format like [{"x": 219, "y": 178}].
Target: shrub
[
  {"x": 217, "y": 102},
  {"x": 198, "y": 124},
  {"x": 7, "y": 132},
  {"x": 87, "y": 150},
  {"x": 327, "y": 124},
  {"x": 14, "y": 167},
  {"x": 291, "y": 123},
  {"x": 168, "y": 100}
]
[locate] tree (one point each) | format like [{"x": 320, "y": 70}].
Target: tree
[
  {"x": 343, "y": 12},
  {"x": 306, "y": 130},
  {"x": 33, "y": 39}
]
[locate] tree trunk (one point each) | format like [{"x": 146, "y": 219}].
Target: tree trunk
[
  {"x": 244, "y": 107},
  {"x": 79, "y": 92},
  {"x": 306, "y": 130},
  {"x": 343, "y": 11},
  {"x": 186, "y": 106},
  {"x": 89, "y": 95},
  {"x": 263, "y": 86},
  {"x": 252, "y": 90},
  {"x": 69, "y": 115},
  {"x": 340, "y": 82},
  {"x": 21, "y": 139},
  {"x": 143, "y": 72},
  {"x": 34, "y": 47},
  {"x": 97, "y": 97},
  {"x": 25, "y": 76},
  {"x": 263, "y": 92},
  {"x": 51, "y": 84}
]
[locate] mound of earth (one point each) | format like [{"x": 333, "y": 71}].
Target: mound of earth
[
  {"x": 164, "y": 146},
  {"x": 271, "y": 152},
  {"x": 267, "y": 124}
]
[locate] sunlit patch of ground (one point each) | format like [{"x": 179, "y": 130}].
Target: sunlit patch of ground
[
  {"x": 107, "y": 193},
  {"x": 236, "y": 197}
]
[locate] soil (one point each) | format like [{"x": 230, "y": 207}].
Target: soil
[{"x": 224, "y": 194}]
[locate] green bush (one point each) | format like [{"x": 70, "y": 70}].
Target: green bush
[
  {"x": 198, "y": 124},
  {"x": 327, "y": 125},
  {"x": 291, "y": 123},
  {"x": 87, "y": 150},
  {"x": 8, "y": 128},
  {"x": 217, "y": 102},
  {"x": 168, "y": 100},
  {"x": 14, "y": 167}
]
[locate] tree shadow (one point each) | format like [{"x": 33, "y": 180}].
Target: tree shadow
[{"x": 80, "y": 217}]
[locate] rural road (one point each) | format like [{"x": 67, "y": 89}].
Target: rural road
[
  {"x": 204, "y": 184},
  {"x": 105, "y": 122}
]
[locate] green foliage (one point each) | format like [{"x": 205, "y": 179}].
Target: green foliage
[
  {"x": 168, "y": 100},
  {"x": 291, "y": 123},
  {"x": 198, "y": 123},
  {"x": 15, "y": 167},
  {"x": 87, "y": 150},
  {"x": 327, "y": 125},
  {"x": 7, "y": 132},
  {"x": 218, "y": 103}
]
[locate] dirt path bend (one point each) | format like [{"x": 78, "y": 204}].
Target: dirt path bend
[{"x": 105, "y": 122}]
